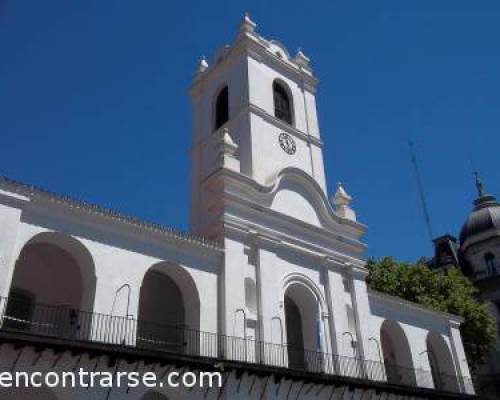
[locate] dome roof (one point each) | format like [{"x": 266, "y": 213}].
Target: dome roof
[{"x": 484, "y": 217}]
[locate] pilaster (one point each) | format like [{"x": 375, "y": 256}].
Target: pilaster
[
  {"x": 460, "y": 359},
  {"x": 271, "y": 307},
  {"x": 361, "y": 307},
  {"x": 334, "y": 294}
]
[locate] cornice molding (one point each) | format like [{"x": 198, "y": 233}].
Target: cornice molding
[
  {"x": 43, "y": 195},
  {"x": 265, "y": 241},
  {"x": 284, "y": 218},
  {"x": 271, "y": 188},
  {"x": 358, "y": 272},
  {"x": 452, "y": 318},
  {"x": 353, "y": 268},
  {"x": 258, "y": 50},
  {"x": 13, "y": 199},
  {"x": 310, "y": 139},
  {"x": 248, "y": 108},
  {"x": 253, "y": 45},
  {"x": 274, "y": 241}
]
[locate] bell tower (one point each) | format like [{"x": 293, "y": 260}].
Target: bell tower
[{"x": 256, "y": 101}]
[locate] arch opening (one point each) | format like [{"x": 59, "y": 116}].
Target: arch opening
[
  {"x": 53, "y": 287},
  {"x": 169, "y": 310},
  {"x": 222, "y": 107},
  {"x": 282, "y": 103},
  {"x": 396, "y": 351},
  {"x": 491, "y": 265},
  {"x": 441, "y": 362},
  {"x": 302, "y": 327}
]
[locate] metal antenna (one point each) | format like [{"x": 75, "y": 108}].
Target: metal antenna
[
  {"x": 420, "y": 188},
  {"x": 472, "y": 163}
]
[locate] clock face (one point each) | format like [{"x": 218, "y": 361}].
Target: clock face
[{"x": 287, "y": 143}]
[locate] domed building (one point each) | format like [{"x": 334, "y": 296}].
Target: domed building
[
  {"x": 478, "y": 255},
  {"x": 480, "y": 244},
  {"x": 480, "y": 261}
]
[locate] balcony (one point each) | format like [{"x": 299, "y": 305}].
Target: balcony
[{"x": 76, "y": 326}]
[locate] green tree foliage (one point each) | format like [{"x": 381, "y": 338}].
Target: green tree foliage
[{"x": 448, "y": 291}]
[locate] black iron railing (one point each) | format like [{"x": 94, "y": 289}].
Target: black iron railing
[{"x": 65, "y": 322}]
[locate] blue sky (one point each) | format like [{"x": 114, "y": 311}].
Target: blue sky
[{"x": 93, "y": 101}]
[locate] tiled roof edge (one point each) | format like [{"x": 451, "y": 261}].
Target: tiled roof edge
[{"x": 31, "y": 190}]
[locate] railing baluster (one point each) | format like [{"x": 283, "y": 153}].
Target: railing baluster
[{"x": 76, "y": 325}]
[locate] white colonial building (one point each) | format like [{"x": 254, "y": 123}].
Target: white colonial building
[{"x": 271, "y": 281}]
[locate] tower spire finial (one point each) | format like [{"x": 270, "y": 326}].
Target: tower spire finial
[
  {"x": 479, "y": 185},
  {"x": 201, "y": 68},
  {"x": 247, "y": 25}
]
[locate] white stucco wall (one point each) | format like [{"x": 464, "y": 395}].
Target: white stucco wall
[{"x": 275, "y": 225}]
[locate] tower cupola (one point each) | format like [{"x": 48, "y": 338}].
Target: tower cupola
[{"x": 484, "y": 218}]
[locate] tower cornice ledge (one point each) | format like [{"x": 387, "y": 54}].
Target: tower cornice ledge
[
  {"x": 246, "y": 189},
  {"x": 355, "y": 267},
  {"x": 253, "y": 45},
  {"x": 311, "y": 139},
  {"x": 272, "y": 240}
]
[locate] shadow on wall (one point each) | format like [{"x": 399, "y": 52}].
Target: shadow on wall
[
  {"x": 441, "y": 362},
  {"x": 397, "y": 354},
  {"x": 169, "y": 303},
  {"x": 57, "y": 272}
]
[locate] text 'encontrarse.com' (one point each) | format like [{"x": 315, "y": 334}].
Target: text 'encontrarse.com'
[{"x": 91, "y": 379}]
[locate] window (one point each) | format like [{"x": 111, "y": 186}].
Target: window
[
  {"x": 222, "y": 108},
  {"x": 282, "y": 103},
  {"x": 489, "y": 259}
]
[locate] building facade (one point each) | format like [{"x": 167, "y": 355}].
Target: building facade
[
  {"x": 269, "y": 284},
  {"x": 478, "y": 254}
]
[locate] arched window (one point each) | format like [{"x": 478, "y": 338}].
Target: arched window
[
  {"x": 222, "y": 108},
  {"x": 443, "y": 371},
  {"x": 489, "y": 259},
  {"x": 396, "y": 351},
  {"x": 282, "y": 103}
]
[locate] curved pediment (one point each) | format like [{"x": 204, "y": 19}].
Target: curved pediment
[
  {"x": 295, "y": 193},
  {"x": 293, "y": 200},
  {"x": 279, "y": 49}
]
